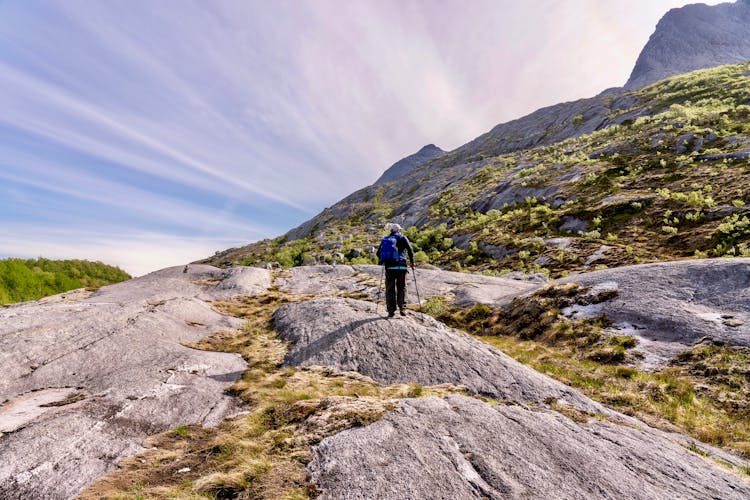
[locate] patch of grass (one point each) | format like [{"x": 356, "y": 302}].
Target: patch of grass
[
  {"x": 696, "y": 449},
  {"x": 180, "y": 432}
]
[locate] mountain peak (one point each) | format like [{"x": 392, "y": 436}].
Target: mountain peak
[
  {"x": 432, "y": 148},
  {"x": 406, "y": 165},
  {"x": 692, "y": 37}
]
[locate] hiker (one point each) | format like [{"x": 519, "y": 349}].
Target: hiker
[{"x": 391, "y": 255}]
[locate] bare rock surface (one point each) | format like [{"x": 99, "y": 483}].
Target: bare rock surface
[
  {"x": 461, "y": 448},
  {"x": 348, "y": 335},
  {"x": 85, "y": 379},
  {"x": 672, "y": 306},
  {"x": 459, "y": 288}
]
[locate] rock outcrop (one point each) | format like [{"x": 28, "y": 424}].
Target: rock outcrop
[
  {"x": 694, "y": 37},
  {"x": 460, "y": 448},
  {"x": 84, "y": 381},
  {"x": 671, "y": 306},
  {"x": 406, "y": 165},
  {"x": 348, "y": 335}
]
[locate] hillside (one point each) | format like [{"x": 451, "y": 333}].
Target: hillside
[
  {"x": 623, "y": 178},
  {"x": 31, "y": 279},
  {"x": 257, "y": 384}
]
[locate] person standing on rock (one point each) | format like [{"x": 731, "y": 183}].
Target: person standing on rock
[{"x": 391, "y": 255}]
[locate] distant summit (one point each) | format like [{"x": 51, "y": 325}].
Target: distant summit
[
  {"x": 406, "y": 165},
  {"x": 694, "y": 37}
]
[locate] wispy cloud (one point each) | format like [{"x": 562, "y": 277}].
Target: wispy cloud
[{"x": 226, "y": 121}]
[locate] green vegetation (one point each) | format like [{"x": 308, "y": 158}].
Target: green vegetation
[{"x": 31, "y": 279}]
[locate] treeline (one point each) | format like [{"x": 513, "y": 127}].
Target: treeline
[{"x": 31, "y": 279}]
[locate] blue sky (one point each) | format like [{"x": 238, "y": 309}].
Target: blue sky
[{"x": 153, "y": 133}]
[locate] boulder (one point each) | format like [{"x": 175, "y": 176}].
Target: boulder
[{"x": 573, "y": 224}]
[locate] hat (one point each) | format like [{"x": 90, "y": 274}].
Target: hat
[{"x": 395, "y": 228}]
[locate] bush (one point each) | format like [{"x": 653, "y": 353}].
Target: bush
[{"x": 292, "y": 254}]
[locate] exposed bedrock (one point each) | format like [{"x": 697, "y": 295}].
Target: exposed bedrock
[
  {"x": 85, "y": 381},
  {"x": 461, "y": 448},
  {"x": 348, "y": 335},
  {"x": 671, "y": 306}
]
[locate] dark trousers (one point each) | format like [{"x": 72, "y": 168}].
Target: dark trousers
[{"x": 395, "y": 289}]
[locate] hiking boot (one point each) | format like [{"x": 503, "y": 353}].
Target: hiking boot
[
  {"x": 403, "y": 313},
  {"x": 391, "y": 314}
]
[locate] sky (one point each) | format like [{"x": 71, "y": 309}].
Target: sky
[{"x": 147, "y": 133}]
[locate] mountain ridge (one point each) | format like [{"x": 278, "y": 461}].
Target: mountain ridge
[{"x": 680, "y": 34}]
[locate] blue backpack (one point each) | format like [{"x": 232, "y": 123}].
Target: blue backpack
[{"x": 389, "y": 254}]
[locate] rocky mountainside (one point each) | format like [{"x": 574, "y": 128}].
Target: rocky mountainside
[
  {"x": 694, "y": 37},
  {"x": 406, "y": 165},
  {"x": 623, "y": 178},
  {"x": 460, "y": 448}
]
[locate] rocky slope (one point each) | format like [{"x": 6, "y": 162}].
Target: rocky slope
[
  {"x": 670, "y": 307},
  {"x": 87, "y": 378},
  {"x": 364, "y": 281},
  {"x": 694, "y": 37}
]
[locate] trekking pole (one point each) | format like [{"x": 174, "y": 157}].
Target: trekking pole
[
  {"x": 416, "y": 288},
  {"x": 380, "y": 287}
]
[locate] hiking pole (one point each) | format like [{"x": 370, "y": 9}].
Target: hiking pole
[
  {"x": 416, "y": 288},
  {"x": 380, "y": 287}
]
